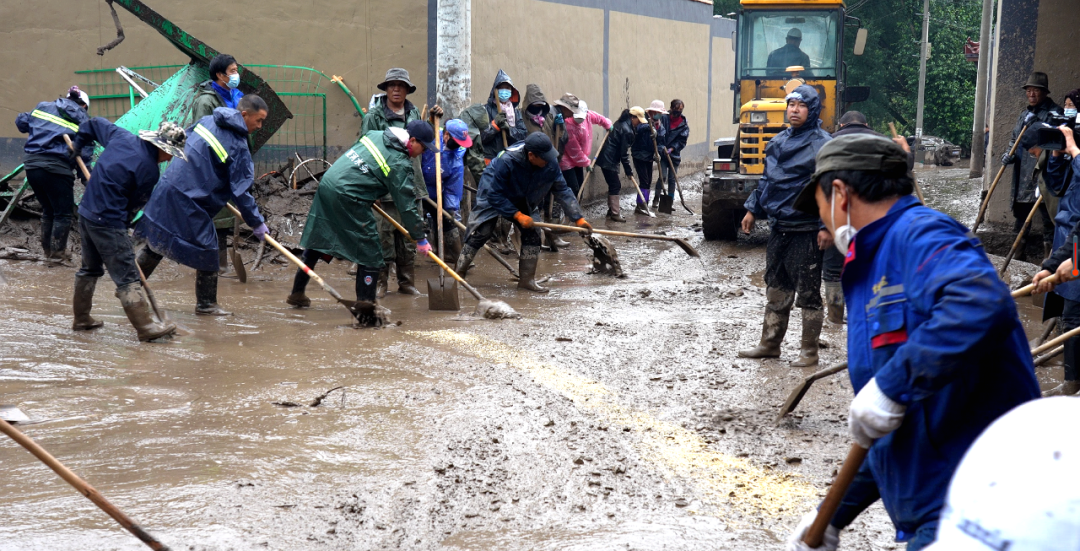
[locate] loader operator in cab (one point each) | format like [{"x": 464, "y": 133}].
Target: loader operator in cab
[{"x": 789, "y": 55}]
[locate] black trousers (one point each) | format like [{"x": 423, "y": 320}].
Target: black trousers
[
  {"x": 644, "y": 175},
  {"x": 832, "y": 264},
  {"x": 56, "y": 194},
  {"x": 614, "y": 184},
  {"x": 793, "y": 263},
  {"x": 107, "y": 248},
  {"x": 482, "y": 233},
  {"x": 1070, "y": 319},
  {"x": 574, "y": 177},
  {"x": 367, "y": 278}
]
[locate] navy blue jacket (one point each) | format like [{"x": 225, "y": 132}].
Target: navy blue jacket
[
  {"x": 178, "y": 220},
  {"x": 789, "y": 163},
  {"x": 643, "y": 148},
  {"x": 453, "y": 175},
  {"x": 491, "y": 138},
  {"x": 616, "y": 148},
  {"x": 123, "y": 177},
  {"x": 1061, "y": 172},
  {"x": 931, "y": 321},
  {"x": 673, "y": 138},
  {"x": 48, "y": 123},
  {"x": 511, "y": 184}
]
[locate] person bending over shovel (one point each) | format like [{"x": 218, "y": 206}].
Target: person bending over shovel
[
  {"x": 341, "y": 223},
  {"x": 178, "y": 222},
  {"x": 936, "y": 351},
  {"x": 514, "y": 186},
  {"x": 123, "y": 179}
]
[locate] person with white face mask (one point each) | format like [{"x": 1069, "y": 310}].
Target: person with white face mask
[{"x": 936, "y": 351}]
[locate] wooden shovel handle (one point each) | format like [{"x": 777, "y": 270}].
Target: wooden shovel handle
[
  {"x": 81, "y": 485},
  {"x": 986, "y": 202},
  {"x": 592, "y": 167},
  {"x": 815, "y": 535},
  {"x": 78, "y": 159},
  {"x": 1028, "y": 289},
  {"x": 1052, "y": 343},
  {"x": 604, "y": 232}
]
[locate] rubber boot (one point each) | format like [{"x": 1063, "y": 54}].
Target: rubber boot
[
  {"x": 530, "y": 255},
  {"x": 656, "y": 196},
  {"x": 223, "y": 252},
  {"x": 206, "y": 295},
  {"x": 353, "y": 268},
  {"x": 83, "y": 302},
  {"x": 406, "y": 275},
  {"x": 367, "y": 310},
  {"x": 777, "y": 314},
  {"x": 834, "y": 300},
  {"x": 1068, "y": 387},
  {"x": 613, "y": 212},
  {"x": 640, "y": 208},
  {"x": 148, "y": 261},
  {"x": 384, "y": 280},
  {"x": 61, "y": 228},
  {"x": 46, "y": 238},
  {"x": 133, "y": 298},
  {"x": 812, "y": 320},
  {"x": 468, "y": 253},
  {"x": 452, "y": 249}
]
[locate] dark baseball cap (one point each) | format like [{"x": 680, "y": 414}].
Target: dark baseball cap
[
  {"x": 539, "y": 144},
  {"x": 423, "y": 133},
  {"x": 862, "y": 152}
]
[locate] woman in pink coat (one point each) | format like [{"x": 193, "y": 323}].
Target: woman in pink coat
[{"x": 579, "y": 120}]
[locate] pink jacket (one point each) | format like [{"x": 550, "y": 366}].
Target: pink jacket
[{"x": 579, "y": 140}]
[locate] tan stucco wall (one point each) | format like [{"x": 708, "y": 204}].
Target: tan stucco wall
[{"x": 46, "y": 41}]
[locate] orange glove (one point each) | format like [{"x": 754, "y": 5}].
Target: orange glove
[
  {"x": 583, "y": 223},
  {"x": 523, "y": 220}
]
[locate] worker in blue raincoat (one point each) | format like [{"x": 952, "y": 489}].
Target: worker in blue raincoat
[
  {"x": 122, "y": 182},
  {"x": 513, "y": 187},
  {"x": 793, "y": 257},
  {"x": 456, "y": 143},
  {"x": 178, "y": 220},
  {"x": 936, "y": 351},
  {"x": 50, "y": 168}
]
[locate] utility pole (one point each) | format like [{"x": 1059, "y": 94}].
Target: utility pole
[
  {"x": 977, "y": 133},
  {"x": 924, "y": 46},
  {"x": 453, "y": 66}
]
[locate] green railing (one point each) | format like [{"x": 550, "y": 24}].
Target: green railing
[{"x": 302, "y": 89}]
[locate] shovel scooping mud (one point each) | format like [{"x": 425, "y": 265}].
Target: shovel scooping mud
[
  {"x": 682, "y": 243},
  {"x": 486, "y": 308}
]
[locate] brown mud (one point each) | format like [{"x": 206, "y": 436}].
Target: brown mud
[{"x": 613, "y": 415}]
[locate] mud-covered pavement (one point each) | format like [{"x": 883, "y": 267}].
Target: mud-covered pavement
[{"x": 614, "y": 415}]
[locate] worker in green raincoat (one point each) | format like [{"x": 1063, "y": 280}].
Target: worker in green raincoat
[{"x": 341, "y": 223}]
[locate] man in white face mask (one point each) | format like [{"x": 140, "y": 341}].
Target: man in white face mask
[{"x": 935, "y": 349}]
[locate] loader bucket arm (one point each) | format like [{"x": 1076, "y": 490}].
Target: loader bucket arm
[{"x": 201, "y": 54}]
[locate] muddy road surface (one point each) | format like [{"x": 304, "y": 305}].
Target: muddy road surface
[{"x": 614, "y": 415}]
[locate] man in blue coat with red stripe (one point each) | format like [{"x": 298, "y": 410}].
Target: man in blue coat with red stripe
[
  {"x": 178, "y": 220},
  {"x": 936, "y": 351}
]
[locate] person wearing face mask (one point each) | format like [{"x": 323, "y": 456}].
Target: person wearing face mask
[
  {"x": 222, "y": 90},
  {"x": 793, "y": 258},
  {"x": 177, "y": 220},
  {"x": 647, "y": 135},
  {"x": 575, "y": 159},
  {"x": 506, "y": 125},
  {"x": 50, "y": 167},
  {"x": 936, "y": 350},
  {"x": 341, "y": 223},
  {"x": 672, "y": 140},
  {"x": 456, "y": 143},
  {"x": 1039, "y": 109}
]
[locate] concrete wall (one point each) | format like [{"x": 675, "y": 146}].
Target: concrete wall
[{"x": 1032, "y": 35}]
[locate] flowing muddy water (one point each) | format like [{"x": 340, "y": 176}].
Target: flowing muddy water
[{"x": 614, "y": 415}]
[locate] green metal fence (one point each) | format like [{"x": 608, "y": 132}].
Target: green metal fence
[{"x": 302, "y": 89}]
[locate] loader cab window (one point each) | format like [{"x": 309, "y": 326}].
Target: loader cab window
[{"x": 771, "y": 41}]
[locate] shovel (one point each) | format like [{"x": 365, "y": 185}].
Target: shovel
[
  {"x": 360, "y": 310},
  {"x": 986, "y": 201},
  {"x": 490, "y": 309},
  {"x": 798, "y": 392},
  {"x": 487, "y": 247},
  {"x": 682, "y": 243},
  {"x": 82, "y": 486},
  {"x": 592, "y": 167},
  {"x": 665, "y": 204},
  {"x": 237, "y": 260},
  {"x": 1030, "y": 288},
  {"x": 677, "y": 186},
  {"x": 815, "y": 535},
  {"x": 441, "y": 295}
]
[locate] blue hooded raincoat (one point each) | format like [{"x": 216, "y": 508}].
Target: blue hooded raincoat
[
  {"x": 123, "y": 177},
  {"x": 931, "y": 321},
  {"x": 453, "y": 175},
  {"x": 47, "y": 125},
  {"x": 511, "y": 184},
  {"x": 178, "y": 220},
  {"x": 789, "y": 163}
]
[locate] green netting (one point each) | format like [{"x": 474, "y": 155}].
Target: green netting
[{"x": 302, "y": 89}]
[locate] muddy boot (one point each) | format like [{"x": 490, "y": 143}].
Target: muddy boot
[
  {"x": 83, "y": 302},
  {"x": 812, "y": 321},
  {"x": 148, "y": 261},
  {"x": 834, "y": 299},
  {"x": 384, "y": 281},
  {"x": 298, "y": 300},
  {"x": 527, "y": 268},
  {"x": 777, "y": 314},
  {"x": 223, "y": 251},
  {"x": 656, "y": 197},
  {"x": 406, "y": 275},
  {"x": 465, "y": 260},
  {"x": 133, "y": 298},
  {"x": 352, "y": 269},
  {"x": 58, "y": 253},
  {"x": 613, "y": 212},
  {"x": 206, "y": 294},
  {"x": 452, "y": 248}
]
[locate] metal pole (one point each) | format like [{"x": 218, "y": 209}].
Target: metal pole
[
  {"x": 977, "y": 133},
  {"x": 923, "y": 46},
  {"x": 453, "y": 67}
]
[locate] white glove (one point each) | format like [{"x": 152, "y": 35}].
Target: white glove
[
  {"x": 873, "y": 415},
  {"x": 831, "y": 541}
]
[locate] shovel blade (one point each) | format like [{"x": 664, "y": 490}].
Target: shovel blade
[
  {"x": 443, "y": 294},
  {"x": 13, "y": 415},
  {"x": 687, "y": 247},
  {"x": 667, "y": 205},
  {"x": 238, "y": 265}
]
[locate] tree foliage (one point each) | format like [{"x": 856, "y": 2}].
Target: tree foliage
[{"x": 890, "y": 65}]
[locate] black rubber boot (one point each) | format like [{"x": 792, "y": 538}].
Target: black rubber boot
[
  {"x": 384, "y": 281},
  {"x": 406, "y": 275},
  {"x": 133, "y": 298},
  {"x": 367, "y": 310},
  {"x": 298, "y": 297},
  {"x": 223, "y": 251},
  {"x": 812, "y": 320},
  {"x": 777, "y": 314},
  {"x": 46, "y": 238},
  {"x": 834, "y": 300},
  {"x": 83, "y": 302},
  {"x": 148, "y": 261},
  {"x": 465, "y": 260},
  {"x": 60, "y": 230},
  {"x": 206, "y": 295},
  {"x": 530, "y": 255}
]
